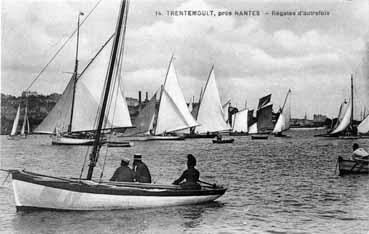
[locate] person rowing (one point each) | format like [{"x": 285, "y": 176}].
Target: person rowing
[
  {"x": 359, "y": 153},
  {"x": 191, "y": 175}
]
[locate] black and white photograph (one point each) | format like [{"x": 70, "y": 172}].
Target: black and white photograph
[{"x": 184, "y": 116}]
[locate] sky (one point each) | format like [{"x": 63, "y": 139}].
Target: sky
[{"x": 313, "y": 56}]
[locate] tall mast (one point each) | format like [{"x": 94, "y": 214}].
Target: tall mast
[
  {"x": 75, "y": 76},
  {"x": 352, "y": 101},
  {"x": 162, "y": 90},
  {"x": 113, "y": 59}
]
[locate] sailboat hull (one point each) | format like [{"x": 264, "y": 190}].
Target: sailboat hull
[
  {"x": 60, "y": 140},
  {"x": 34, "y": 191},
  {"x": 164, "y": 138}
]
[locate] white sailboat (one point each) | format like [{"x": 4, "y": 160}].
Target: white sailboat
[
  {"x": 25, "y": 126},
  {"x": 171, "y": 116},
  {"x": 36, "y": 191},
  {"x": 239, "y": 123},
  {"x": 72, "y": 119},
  {"x": 344, "y": 127},
  {"x": 283, "y": 122},
  {"x": 210, "y": 114}
]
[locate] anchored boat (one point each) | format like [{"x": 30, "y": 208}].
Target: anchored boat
[{"x": 37, "y": 191}]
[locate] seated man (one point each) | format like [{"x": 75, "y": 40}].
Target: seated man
[
  {"x": 191, "y": 175},
  {"x": 123, "y": 173},
  {"x": 142, "y": 173},
  {"x": 359, "y": 153}
]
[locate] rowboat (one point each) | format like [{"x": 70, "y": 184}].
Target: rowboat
[
  {"x": 352, "y": 166},
  {"x": 119, "y": 144},
  {"x": 259, "y": 137},
  {"x": 223, "y": 141},
  {"x": 40, "y": 192}
]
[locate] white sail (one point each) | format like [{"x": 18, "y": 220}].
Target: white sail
[
  {"x": 88, "y": 93},
  {"x": 240, "y": 120},
  {"x": 173, "y": 112},
  {"x": 210, "y": 114},
  {"x": 253, "y": 129},
  {"x": 15, "y": 123},
  {"x": 345, "y": 122},
  {"x": 283, "y": 122},
  {"x": 25, "y": 122},
  {"x": 363, "y": 127},
  {"x": 59, "y": 117}
]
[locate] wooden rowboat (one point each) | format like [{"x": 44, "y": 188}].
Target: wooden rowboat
[
  {"x": 259, "y": 137},
  {"x": 223, "y": 141},
  {"x": 36, "y": 191},
  {"x": 352, "y": 166}
]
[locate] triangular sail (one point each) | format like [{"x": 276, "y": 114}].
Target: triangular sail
[
  {"x": 363, "y": 127},
  {"x": 210, "y": 113},
  {"x": 240, "y": 120},
  {"x": 15, "y": 123},
  {"x": 25, "y": 122},
  {"x": 253, "y": 129},
  {"x": 283, "y": 122},
  {"x": 173, "y": 112},
  {"x": 341, "y": 113},
  {"x": 59, "y": 117},
  {"x": 88, "y": 91},
  {"x": 345, "y": 122},
  {"x": 145, "y": 119},
  {"x": 225, "y": 111}
]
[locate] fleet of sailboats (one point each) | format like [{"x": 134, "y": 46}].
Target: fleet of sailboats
[{"x": 87, "y": 194}]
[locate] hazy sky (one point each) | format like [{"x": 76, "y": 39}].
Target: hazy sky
[{"x": 253, "y": 55}]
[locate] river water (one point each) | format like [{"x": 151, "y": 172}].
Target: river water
[{"x": 279, "y": 185}]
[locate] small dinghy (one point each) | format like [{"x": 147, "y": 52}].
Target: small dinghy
[
  {"x": 119, "y": 144},
  {"x": 35, "y": 191},
  {"x": 259, "y": 137},
  {"x": 222, "y": 141},
  {"x": 352, "y": 166}
]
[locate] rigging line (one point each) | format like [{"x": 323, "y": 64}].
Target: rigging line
[{"x": 58, "y": 51}]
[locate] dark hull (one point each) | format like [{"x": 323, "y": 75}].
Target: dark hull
[
  {"x": 238, "y": 134},
  {"x": 201, "y": 135},
  {"x": 223, "y": 141},
  {"x": 259, "y": 137},
  {"x": 352, "y": 167}
]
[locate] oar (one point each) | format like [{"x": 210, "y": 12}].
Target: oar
[{"x": 212, "y": 185}]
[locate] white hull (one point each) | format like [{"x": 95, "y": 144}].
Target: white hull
[
  {"x": 29, "y": 195},
  {"x": 60, "y": 140}
]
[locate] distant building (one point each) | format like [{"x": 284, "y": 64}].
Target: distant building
[{"x": 29, "y": 93}]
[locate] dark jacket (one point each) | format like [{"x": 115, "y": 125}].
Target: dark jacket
[
  {"x": 191, "y": 175},
  {"x": 124, "y": 174},
  {"x": 142, "y": 173}
]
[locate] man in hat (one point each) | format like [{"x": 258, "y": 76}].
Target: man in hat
[
  {"x": 123, "y": 173},
  {"x": 142, "y": 173},
  {"x": 359, "y": 153},
  {"x": 191, "y": 175}
]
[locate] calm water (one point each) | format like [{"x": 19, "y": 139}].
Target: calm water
[{"x": 275, "y": 186}]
